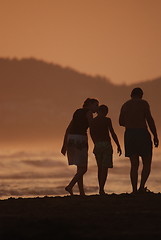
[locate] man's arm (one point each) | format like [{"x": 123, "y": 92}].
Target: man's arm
[
  {"x": 152, "y": 126},
  {"x": 122, "y": 117}
]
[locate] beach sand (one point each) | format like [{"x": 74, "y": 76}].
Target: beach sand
[{"x": 90, "y": 217}]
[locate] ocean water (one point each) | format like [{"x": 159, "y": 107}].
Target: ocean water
[{"x": 46, "y": 173}]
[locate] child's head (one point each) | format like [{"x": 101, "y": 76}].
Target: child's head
[{"x": 102, "y": 110}]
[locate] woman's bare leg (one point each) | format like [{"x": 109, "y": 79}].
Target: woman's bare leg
[
  {"x": 78, "y": 176},
  {"x": 80, "y": 186}
]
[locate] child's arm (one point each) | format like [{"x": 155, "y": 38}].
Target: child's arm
[
  {"x": 114, "y": 136},
  {"x": 64, "y": 147}
]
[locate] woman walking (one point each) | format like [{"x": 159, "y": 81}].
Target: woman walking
[{"x": 76, "y": 142}]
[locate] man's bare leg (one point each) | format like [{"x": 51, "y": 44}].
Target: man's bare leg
[
  {"x": 99, "y": 174},
  {"x": 134, "y": 172},
  {"x": 145, "y": 171}
]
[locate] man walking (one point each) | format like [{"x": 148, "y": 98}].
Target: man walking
[{"x": 136, "y": 117}]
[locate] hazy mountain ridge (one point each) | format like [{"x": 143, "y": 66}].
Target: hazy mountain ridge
[{"x": 37, "y": 99}]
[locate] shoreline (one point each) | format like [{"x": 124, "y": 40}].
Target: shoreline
[{"x": 81, "y": 217}]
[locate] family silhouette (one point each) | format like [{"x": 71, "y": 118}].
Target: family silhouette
[{"x": 135, "y": 116}]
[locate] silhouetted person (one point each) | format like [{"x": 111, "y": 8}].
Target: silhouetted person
[
  {"x": 76, "y": 142},
  {"x": 100, "y": 128},
  {"x": 135, "y": 116}
]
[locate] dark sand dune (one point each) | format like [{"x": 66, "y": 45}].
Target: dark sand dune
[{"x": 92, "y": 217}]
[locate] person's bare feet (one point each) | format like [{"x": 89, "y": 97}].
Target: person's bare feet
[
  {"x": 69, "y": 190},
  {"x": 144, "y": 190},
  {"x": 82, "y": 194},
  {"x": 102, "y": 192}
]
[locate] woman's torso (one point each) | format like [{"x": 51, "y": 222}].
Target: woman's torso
[{"x": 80, "y": 123}]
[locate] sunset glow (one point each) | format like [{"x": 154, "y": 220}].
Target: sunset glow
[
  {"x": 117, "y": 39},
  {"x": 53, "y": 55}
]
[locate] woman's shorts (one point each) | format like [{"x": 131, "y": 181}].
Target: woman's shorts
[
  {"x": 104, "y": 154},
  {"x": 77, "y": 150},
  {"x": 137, "y": 141}
]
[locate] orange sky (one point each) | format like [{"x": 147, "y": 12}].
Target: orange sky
[{"x": 119, "y": 39}]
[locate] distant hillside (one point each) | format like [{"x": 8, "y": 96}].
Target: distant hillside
[{"x": 37, "y": 99}]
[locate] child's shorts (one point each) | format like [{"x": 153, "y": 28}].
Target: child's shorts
[{"x": 104, "y": 154}]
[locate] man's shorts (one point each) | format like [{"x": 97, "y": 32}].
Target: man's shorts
[
  {"x": 104, "y": 154},
  {"x": 137, "y": 141}
]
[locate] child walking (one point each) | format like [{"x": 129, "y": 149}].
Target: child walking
[{"x": 100, "y": 128}]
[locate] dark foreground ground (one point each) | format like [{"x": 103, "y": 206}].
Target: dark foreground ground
[{"x": 92, "y": 217}]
